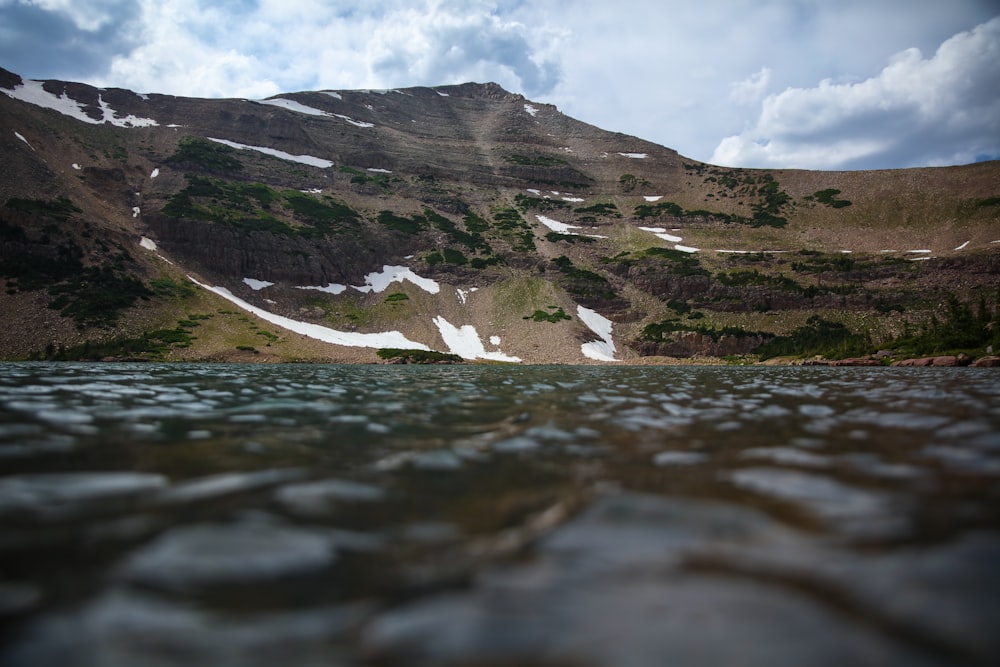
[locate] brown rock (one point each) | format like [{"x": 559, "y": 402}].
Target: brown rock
[
  {"x": 925, "y": 361},
  {"x": 987, "y": 362},
  {"x": 947, "y": 360},
  {"x": 856, "y": 362}
]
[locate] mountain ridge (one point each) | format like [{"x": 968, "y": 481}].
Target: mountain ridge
[{"x": 513, "y": 210}]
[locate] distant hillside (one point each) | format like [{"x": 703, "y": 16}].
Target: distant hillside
[{"x": 465, "y": 220}]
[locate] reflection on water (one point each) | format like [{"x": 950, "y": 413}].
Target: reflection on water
[{"x": 242, "y": 515}]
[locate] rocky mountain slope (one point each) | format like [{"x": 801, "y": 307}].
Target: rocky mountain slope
[{"x": 461, "y": 219}]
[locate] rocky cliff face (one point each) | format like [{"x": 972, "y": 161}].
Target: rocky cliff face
[{"x": 463, "y": 219}]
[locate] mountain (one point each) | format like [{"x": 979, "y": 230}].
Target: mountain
[{"x": 466, "y": 220}]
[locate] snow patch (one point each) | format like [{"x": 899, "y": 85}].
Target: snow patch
[
  {"x": 556, "y": 226},
  {"x": 76, "y": 166},
  {"x": 753, "y": 252},
  {"x": 33, "y": 92},
  {"x": 154, "y": 173},
  {"x": 919, "y": 252},
  {"x": 346, "y": 338},
  {"x": 356, "y": 123},
  {"x": 334, "y": 94},
  {"x": 150, "y": 245},
  {"x": 331, "y": 288},
  {"x": 533, "y": 111},
  {"x": 574, "y": 200},
  {"x": 465, "y": 342},
  {"x": 292, "y": 105},
  {"x": 379, "y": 281},
  {"x": 442, "y": 94},
  {"x": 495, "y": 340},
  {"x": 136, "y": 211},
  {"x": 962, "y": 246},
  {"x": 255, "y": 284},
  {"x": 600, "y": 350},
  {"x": 635, "y": 156},
  {"x": 653, "y": 197},
  {"x": 661, "y": 233},
  {"x": 563, "y": 228},
  {"x": 685, "y": 248},
  {"x": 21, "y": 137},
  {"x": 377, "y": 170},
  {"x": 301, "y": 159},
  {"x": 111, "y": 116}
]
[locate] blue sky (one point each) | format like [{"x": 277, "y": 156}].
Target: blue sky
[{"x": 852, "y": 84}]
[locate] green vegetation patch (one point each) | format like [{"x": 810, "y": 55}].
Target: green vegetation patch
[
  {"x": 659, "y": 209},
  {"x": 514, "y": 229},
  {"x": 629, "y": 182},
  {"x": 662, "y": 332},
  {"x": 165, "y": 287},
  {"x": 398, "y": 223},
  {"x": 524, "y": 202},
  {"x": 828, "y": 197},
  {"x": 92, "y": 295},
  {"x": 817, "y": 336},
  {"x": 535, "y": 160},
  {"x": 418, "y": 356},
  {"x": 583, "y": 282},
  {"x": 323, "y": 215},
  {"x": 755, "y": 277},
  {"x": 508, "y": 218},
  {"x": 958, "y": 329},
  {"x": 96, "y": 295},
  {"x": 152, "y": 345},
  {"x": 553, "y": 315},
  {"x": 555, "y": 237},
  {"x": 382, "y": 181},
  {"x": 257, "y": 207},
  {"x": 471, "y": 239},
  {"x": 476, "y": 223},
  {"x": 204, "y": 154},
  {"x": 60, "y": 209},
  {"x": 672, "y": 261},
  {"x": 243, "y": 205},
  {"x": 397, "y": 297},
  {"x": 607, "y": 209}
]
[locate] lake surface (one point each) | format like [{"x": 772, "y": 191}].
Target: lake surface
[{"x": 155, "y": 514}]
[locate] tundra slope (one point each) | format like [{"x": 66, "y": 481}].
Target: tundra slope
[{"x": 325, "y": 225}]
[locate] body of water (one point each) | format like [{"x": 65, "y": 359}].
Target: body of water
[{"x": 189, "y": 514}]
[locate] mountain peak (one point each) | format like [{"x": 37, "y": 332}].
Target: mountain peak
[{"x": 461, "y": 218}]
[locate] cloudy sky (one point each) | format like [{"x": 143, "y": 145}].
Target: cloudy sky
[{"x": 851, "y": 84}]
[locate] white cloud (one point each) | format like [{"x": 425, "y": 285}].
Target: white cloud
[
  {"x": 937, "y": 110},
  {"x": 88, "y": 15},
  {"x": 798, "y": 80},
  {"x": 306, "y": 44},
  {"x": 454, "y": 42},
  {"x": 751, "y": 89}
]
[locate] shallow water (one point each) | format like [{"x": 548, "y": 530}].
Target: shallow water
[{"x": 309, "y": 514}]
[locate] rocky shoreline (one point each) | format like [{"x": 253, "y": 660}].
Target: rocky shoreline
[{"x": 942, "y": 361}]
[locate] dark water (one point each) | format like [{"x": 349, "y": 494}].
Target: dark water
[{"x": 343, "y": 515}]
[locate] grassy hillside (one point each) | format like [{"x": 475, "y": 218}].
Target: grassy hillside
[{"x": 460, "y": 219}]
